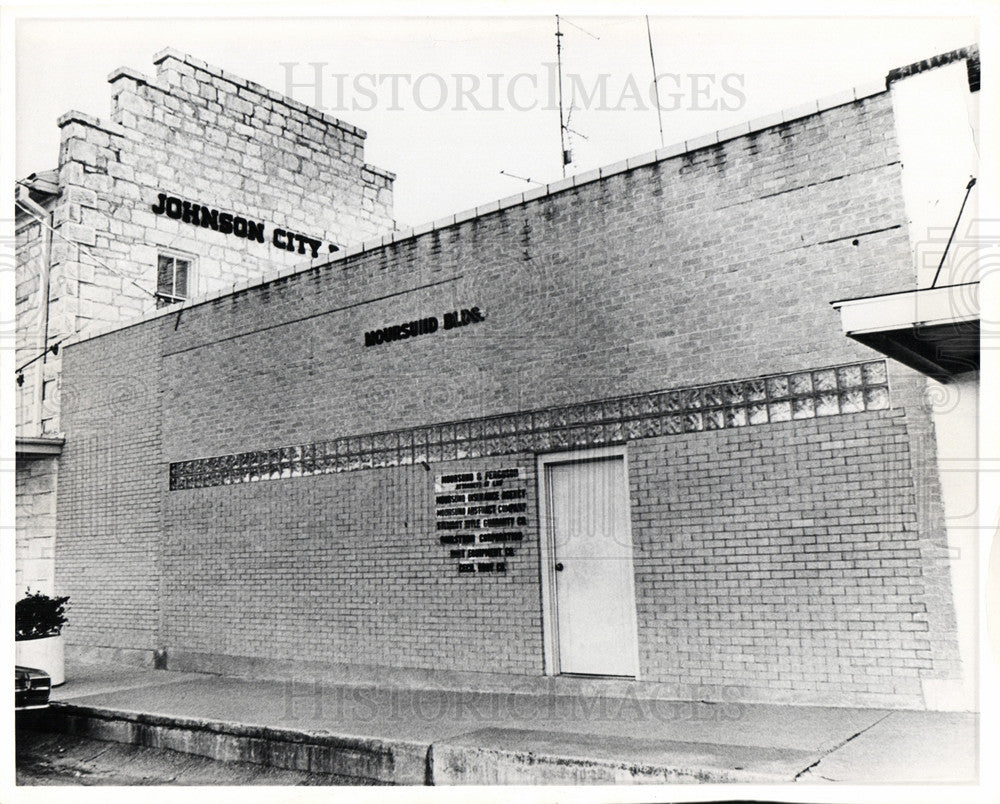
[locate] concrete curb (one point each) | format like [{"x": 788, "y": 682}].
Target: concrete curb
[
  {"x": 483, "y": 757},
  {"x": 395, "y": 762}
]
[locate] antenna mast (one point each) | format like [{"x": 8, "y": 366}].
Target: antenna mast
[
  {"x": 566, "y": 156},
  {"x": 656, "y": 86}
]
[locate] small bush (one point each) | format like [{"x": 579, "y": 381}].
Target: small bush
[{"x": 38, "y": 615}]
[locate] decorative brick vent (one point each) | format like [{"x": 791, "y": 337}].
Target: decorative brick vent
[{"x": 832, "y": 391}]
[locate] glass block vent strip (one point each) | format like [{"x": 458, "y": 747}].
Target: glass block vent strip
[{"x": 833, "y": 391}]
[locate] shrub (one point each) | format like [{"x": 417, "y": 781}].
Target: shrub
[{"x": 38, "y": 615}]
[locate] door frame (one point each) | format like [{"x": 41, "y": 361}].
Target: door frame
[{"x": 546, "y": 549}]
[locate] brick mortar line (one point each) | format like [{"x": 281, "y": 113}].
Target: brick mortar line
[{"x": 810, "y": 185}]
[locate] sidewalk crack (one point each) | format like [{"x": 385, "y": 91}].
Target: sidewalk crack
[{"x": 839, "y": 746}]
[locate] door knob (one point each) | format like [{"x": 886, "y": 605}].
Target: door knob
[{"x": 559, "y": 566}]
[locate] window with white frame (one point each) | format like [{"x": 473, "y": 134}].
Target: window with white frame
[{"x": 173, "y": 278}]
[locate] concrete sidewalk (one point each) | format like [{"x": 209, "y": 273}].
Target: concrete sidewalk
[{"x": 435, "y": 736}]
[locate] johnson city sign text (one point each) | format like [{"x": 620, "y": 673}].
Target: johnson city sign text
[{"x": 228, "y": 223}]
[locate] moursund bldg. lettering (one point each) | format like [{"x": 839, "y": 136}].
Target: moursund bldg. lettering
[
  {"x": 229, "y": 223},
  {"x": 424, "y": 326}
]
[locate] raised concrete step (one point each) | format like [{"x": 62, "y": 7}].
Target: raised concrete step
[
  {"x": 389, "y": 761},
  {"x": 485, "y": 756}
]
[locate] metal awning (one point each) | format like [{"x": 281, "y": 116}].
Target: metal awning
[{"x": 932, "y": 330}]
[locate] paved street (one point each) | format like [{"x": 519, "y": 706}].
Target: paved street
[{"x": 59, "y": 759}]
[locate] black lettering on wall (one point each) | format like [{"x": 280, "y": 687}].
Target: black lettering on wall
[
  {"x": 229, "y": 223},
  {"x": 483, "y": 538}
]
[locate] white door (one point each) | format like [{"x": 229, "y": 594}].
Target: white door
[{"x": 591, "y": 563}]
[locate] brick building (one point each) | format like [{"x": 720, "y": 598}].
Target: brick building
[
  {"x": 251, "y": 182},
  {"x": 606, "y": 432}
]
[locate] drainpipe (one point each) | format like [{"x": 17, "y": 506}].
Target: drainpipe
[{"x": 45, "y": 217}]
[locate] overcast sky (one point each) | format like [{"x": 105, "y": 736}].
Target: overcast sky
[{"x": 450, "y": 102}]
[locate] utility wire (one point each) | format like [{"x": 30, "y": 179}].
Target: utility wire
[
  {"x": 84, "y": 249},
  {"x": 54, "y": 348}
]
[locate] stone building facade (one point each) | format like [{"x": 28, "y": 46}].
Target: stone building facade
[
  {"x": 197, "y": 181},
  {"x": 608, "y": 428}
]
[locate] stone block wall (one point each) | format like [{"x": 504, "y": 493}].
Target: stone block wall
[
  {"x": 197, "y": 133},
  {"x": 31, "y": 257},
  {"x": 35, "y": 481}
]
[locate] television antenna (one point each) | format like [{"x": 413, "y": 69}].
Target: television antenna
[
  {"x": 528, "y": 179},
  {"x": 564, "y": 129}
]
